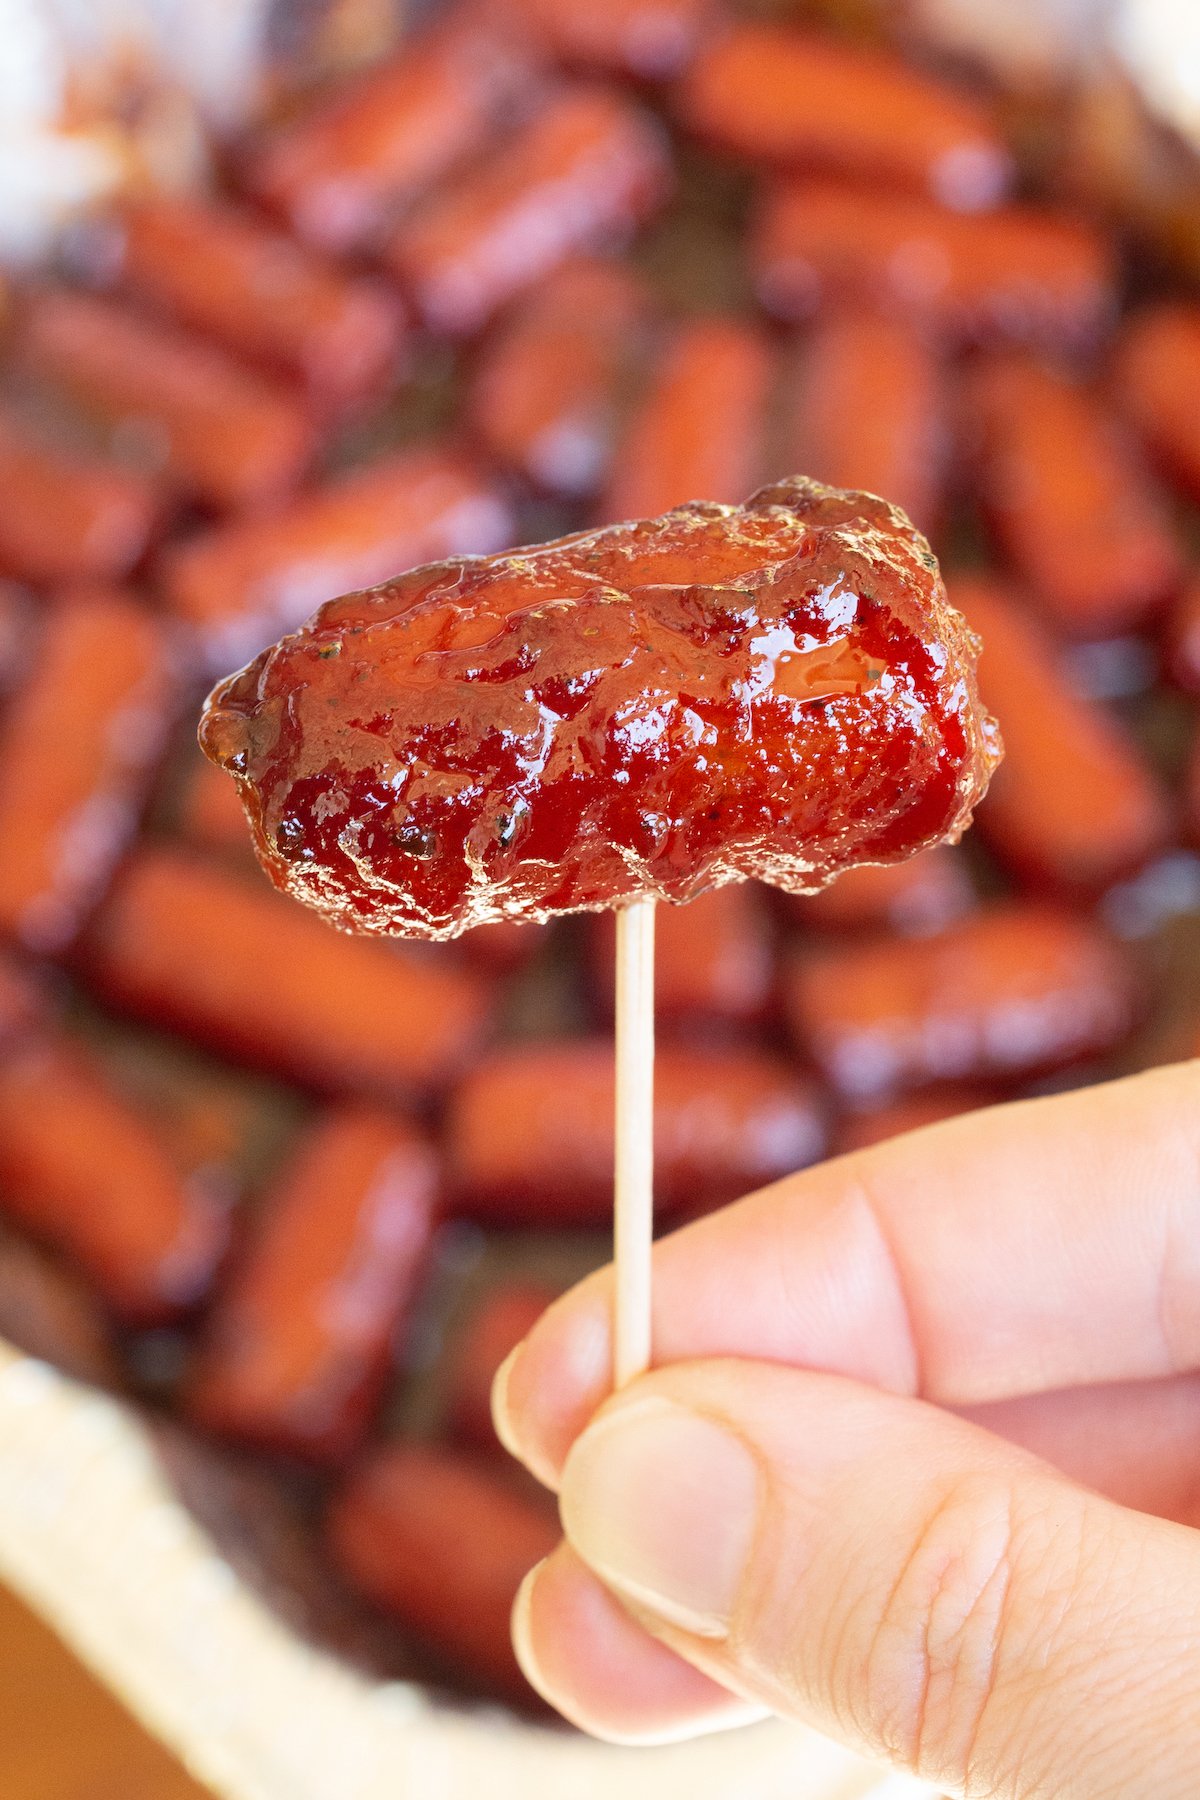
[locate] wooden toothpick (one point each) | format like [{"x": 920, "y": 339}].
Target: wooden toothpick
[{"x": 633, "y": 1199}]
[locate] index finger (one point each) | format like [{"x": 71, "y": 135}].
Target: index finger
[{"x": 1040, "y": 1245}]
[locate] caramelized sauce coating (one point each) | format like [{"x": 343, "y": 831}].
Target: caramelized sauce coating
[{"x": 774, "y": 691}]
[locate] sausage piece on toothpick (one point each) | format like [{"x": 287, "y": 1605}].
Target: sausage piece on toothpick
[{"x": 777, "y": 691}]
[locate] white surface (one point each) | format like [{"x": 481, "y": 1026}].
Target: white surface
[{"x": 92, "y": 1538}]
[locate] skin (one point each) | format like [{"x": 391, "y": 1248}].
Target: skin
[{"x": 963, "y": 1367}]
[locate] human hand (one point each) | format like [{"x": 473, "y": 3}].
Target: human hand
[{"x": 894, "y": 1471}]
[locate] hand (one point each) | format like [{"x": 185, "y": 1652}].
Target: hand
[{"x": 919, "y": 1462}]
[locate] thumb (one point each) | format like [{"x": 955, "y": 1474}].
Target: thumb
[{"x": 898, "y": 1578}]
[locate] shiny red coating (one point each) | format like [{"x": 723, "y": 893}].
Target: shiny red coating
[
  {"x": 699, "y": 431},
  {"x": 1013, "y": 989},
  {"x": 860, "y": 1130},
  {"x": 583, "y": 173},
  {"x": 224, "y": 271},
  {"x": 1021, "y": 274},
  {"x": 82, "y": 1170},
  {"x": 198, "y": 948},
  {"x": 443, "y": 1542},
  {"x": 222, "y": 432},
  {"x": 236, "y": 585},
  {"x": 911, "y": 898},
  {"x": 713, "y": 958},
  {"x": 1066, "y": 496},
  {"x": 772, "y": 691},
  {"x": 496, "y": 1325},
  {"x": 79, "y": 744},
  {"x": 1074, "y": 803},
  {"x": 866, "y": 409},
  {"x": 530, "y": 1129},
  {"x": 342, "y": 169},
  {"x": 771, "y": 93},
  {"x": 298, "y": 1345},
  {"x": 1156, "y": 377},
  {"x": 651, "y": 39},
  {"x": 67, "y": 516},
  {"x": 545, "y": 395}
]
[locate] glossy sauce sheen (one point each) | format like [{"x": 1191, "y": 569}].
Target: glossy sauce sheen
[{"x": 773, "y": 691}]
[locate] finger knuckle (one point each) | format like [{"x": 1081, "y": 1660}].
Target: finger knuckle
[{"x": 936, "y": 1660}]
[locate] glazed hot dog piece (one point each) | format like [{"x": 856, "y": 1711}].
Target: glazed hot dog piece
[
  {"x": 22, "y": 1003},
  {"x": 713, "y": 958},
  {"x": 297, "y": 1348},
  {"x": 529, "y": 1129},
  {"x": 443, "y": 1542},
  {"x": 645, "y": 709},
  {"x": 82, "y": 1170},
  {"x": 858, "y": 1131},
  {"x": 237, "y": 584},
  {"x": 342, "y": 170},
  {"x": 1073, "y": 805},
  {"x": 1012, "y": 990},
  {"x": 651, "y": 39},
  {"x": 222, "y": 432},
  {"x": 79, "y": 742},
  {"x": 67, "y": 516},
  {"x": 1022, "y": 274},
  {"x": 866, "y": 410},
  {"x": 19, "y": 614},
  {"x": 500, "y": 1319},
  {"x": 582, "y": 174},
  {"x": 546, "y": 392},
  {"x": 774, "y": 94},
  {"x": 699, "y": 431},
  {"x": 1069, "y": 503},
  {"x": 224, "y": 272},
  {"x": 909, "y": 898},
  {"x": 191, "y": 946},
  {"x": 1157, "y": 383}
]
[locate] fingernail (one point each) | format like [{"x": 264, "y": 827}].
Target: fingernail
[
  {"x": 522, "y": 1635},
  {"x": 662, "y": 1503},
  {"x": 500, "y": 1414}
]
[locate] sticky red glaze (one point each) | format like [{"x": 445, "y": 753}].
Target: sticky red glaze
[
  {"x": 1013, "y": 989},
  {"x": 192, "y": 946},
  {"x": 80, "y": 1169},
  {"x": 529, "y": 1130},
  {"x": 298, "y": 1345},
  {"x": 1073, "y": 804},
  {"x": 1183, "y": 638},
  {"x": 222, "y": 432},
  {"x": 342, "y": 169},
  {"x": 858, "y": 1131},
  {"x": 1157, "y": 382},
  {"x": 583, "y": 173},
  {"x": 867, "y": 410},
  {"x": 713, "y": 957},
  {"x": 699, "y": 431},
  {"x": 443, "y": 1542},
  {"x": 67, "y": 516},
  {"x": 496, "y": 1325},
  {"x": 774, "y": 691},
  {"x": 225, "y": 272},
  {"x": 236, "y": 585},
  {"x": 1066, "y": 496},
  {"x": 652, "y": 39},
  {"x": 545, "y": 394},
  {"x": 910, "y": 898},
  {"x": 79, "y": 743},
  {"x": 774, "y": 94},
  {"x": 1021, "y": 274}
]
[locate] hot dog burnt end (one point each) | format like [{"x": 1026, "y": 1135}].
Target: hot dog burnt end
[{"x": 773, "y": 691}]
